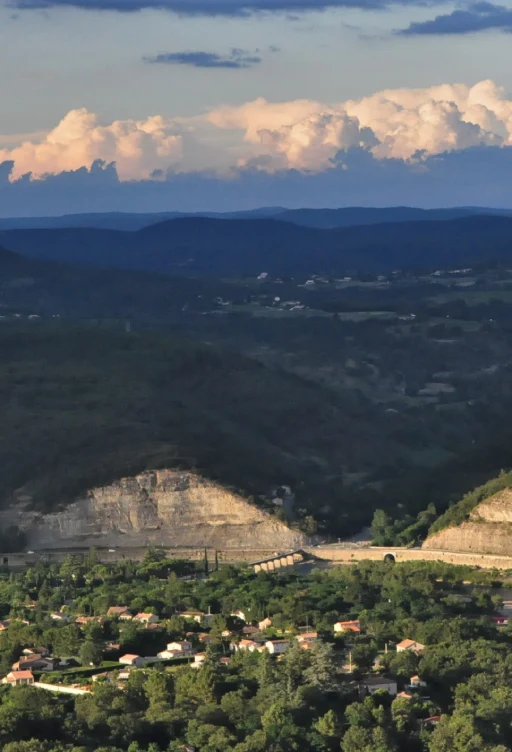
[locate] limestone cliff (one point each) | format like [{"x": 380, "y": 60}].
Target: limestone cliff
[
  {"x": 488, "y": 529},
  {"x": 165, "y": 507}
]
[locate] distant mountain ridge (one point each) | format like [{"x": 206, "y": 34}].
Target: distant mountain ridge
[
  {"x": 199, "y": 246},
  {"x": 320, "y": 218}
]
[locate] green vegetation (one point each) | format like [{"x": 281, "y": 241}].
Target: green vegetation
[
  {"x": 460, "y": 512},
  {"x": 305, "y": 701},
  {"x": 84, "y": 407}
]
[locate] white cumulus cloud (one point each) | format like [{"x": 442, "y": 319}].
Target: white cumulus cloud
[
  {"x": 137, "y": 147},
  {"x": 395, "y": 123},
  {"x": 305, "y": 135}
]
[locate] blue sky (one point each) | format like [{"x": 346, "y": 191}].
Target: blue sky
[{"x": 59, "y": 56}]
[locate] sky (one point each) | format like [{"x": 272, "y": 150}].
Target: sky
[{"x": 224, "y": 104}]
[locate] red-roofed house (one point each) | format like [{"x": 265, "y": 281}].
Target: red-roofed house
[
  {"x": 145, "y": 618},
  {"x": 18, "y": 678},
  {"x": 411, "y": 645},
  {"x": 347, "y": 626}
]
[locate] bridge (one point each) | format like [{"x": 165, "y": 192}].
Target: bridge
[
  {"x": 346, "y": 554},
  {"x": 279, "y": 560}
]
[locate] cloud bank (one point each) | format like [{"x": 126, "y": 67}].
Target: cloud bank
[
  {"x": 410, "y": 125},
  {"x": 210, "y": 7},
  {"x": 236, "y": 59},
  {"x": 478, "y": 17},
  {"x": 479, "y": 176}
]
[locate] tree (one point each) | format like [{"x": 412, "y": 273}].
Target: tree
[
  {"x": 381, "y": 528},
  {"x": 91, "y": 654},
  {"x": 359, "y": 739},
  {"x": 328, "y": 725},
  {"x": 322, "y": 671}
]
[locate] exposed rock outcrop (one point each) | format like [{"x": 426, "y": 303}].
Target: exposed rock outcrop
[
  {"x": 488, "y": 530},
  {"x": 164, "y": 507}
]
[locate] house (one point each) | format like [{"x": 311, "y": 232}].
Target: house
[
  {"x": 432, "y": 721},
  {"x": 184, "y": 647},
  {"x": 82, "y": 621},
  {"x": 4, "y": 625},
  {"x": 277, "y": 647},
  {"x": 347, "y": 626},
  {"x": 18, "y": 678},
  {"x": 132, "y": 660},
  {"x": 500, "y": 621},
  {"x": 205, "y": 638},
  {"x": 59, "y": 616},
  {"x": 410, "y": 645},
  {"x": 199, "y": 659},
  {"x": 35, "y": 662},
  {"x": 373, "y": 684},
  {"x": 118, "y": 611},
  {"x": 405, "y": 695},
  {"x": 416, "y": 682},
  {"x": 147, "y": 618},
  {"x": 265, "y": 624},
  {"x": 239, "y": 614},
  {"x": 250, "y": 631},
  {"x": 193, "y": 615},
  {"x": 307, "y": 638},
  {"x": 104, "y": 675},
  {"x": 167, "y": 655},
  {"x": 249, "y": 645},
  {"x": 35, "y": 651},
  {"x": 225, "y": 661}
]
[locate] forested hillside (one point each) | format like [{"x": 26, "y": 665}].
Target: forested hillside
[{"x": 237, "y": 247}]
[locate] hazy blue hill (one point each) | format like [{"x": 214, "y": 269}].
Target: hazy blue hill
[
  {"x": 319, "y": 218},
  {"x": 221, "y": 247},
  {"x": 127, "y": 221},
  {"x": 356, "y": 215}
]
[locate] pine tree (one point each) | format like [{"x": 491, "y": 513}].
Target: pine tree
[
  {"x": 322, "y": 672},
  {"x": 206, "y": 567}
]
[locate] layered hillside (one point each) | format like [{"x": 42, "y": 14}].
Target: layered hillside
[
  {"x": 161, "y": 507},
  {"x": 485, "y": 528}
]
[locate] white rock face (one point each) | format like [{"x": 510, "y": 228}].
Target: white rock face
[{"x": 165, "y": 507}]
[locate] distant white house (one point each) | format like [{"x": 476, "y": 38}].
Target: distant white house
[
  {"x": 307, "y": 637},
  {"x": 147, "y": 618},
  {"x": 265, "y": 623},
  {"x": 411, "y": 646},
  {"x": 249, "y": 645},
  {"x": 199, "y": 659},
  {"x": 347, "y": 626},
  {"x": 416, "y": 683},
  {"x": 277, "y": 647},
  {"x": 181, "y": 646},
  {"x": 373, "y": 684},
  {"x": 59, "y": 616},
  {"x": 193, "y": 615},
  {"x": 239, "y": 614},
  {"x": 132, "y": 660}
]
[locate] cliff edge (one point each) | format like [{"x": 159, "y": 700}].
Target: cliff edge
[
  {"x": 163, "y": 507},
  {"x": 488, "y": 530}
]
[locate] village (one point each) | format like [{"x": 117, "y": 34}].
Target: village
[{"x": 36, "y": 663}]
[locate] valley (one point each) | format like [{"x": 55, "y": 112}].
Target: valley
[{"x": 361, "y": 392}]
